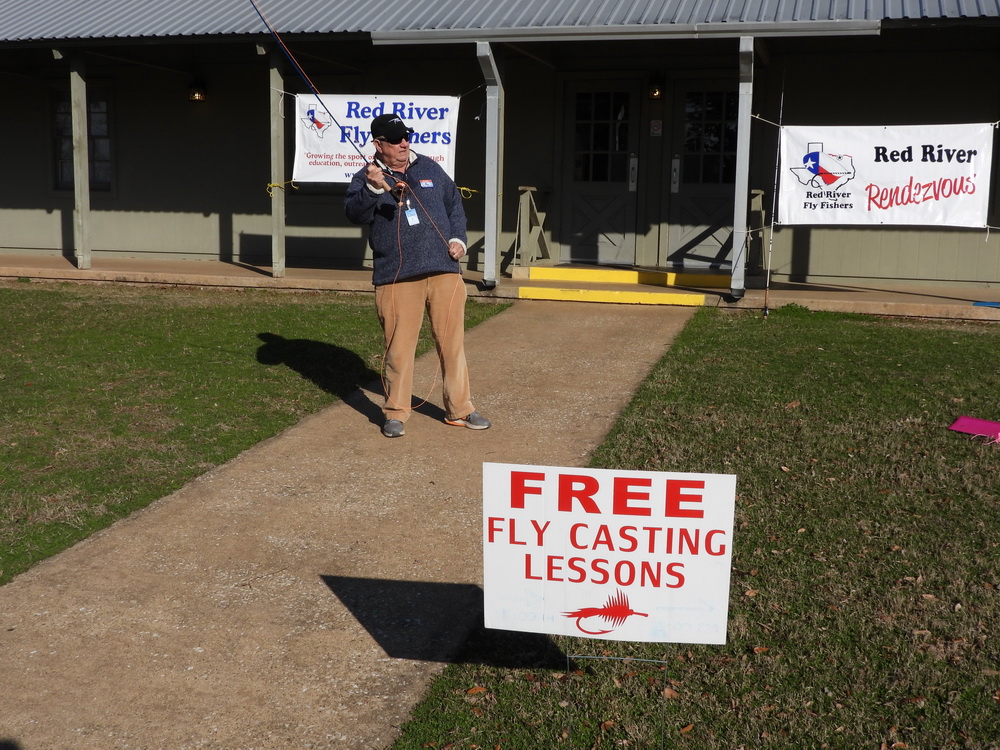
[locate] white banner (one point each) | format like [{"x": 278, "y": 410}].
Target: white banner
[
  {"x": 596, "y": 553},
  {"x": 903, "y": 174},
  {"x": 325, "y": 152}
]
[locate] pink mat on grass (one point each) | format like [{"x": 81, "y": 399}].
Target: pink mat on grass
[{"x": 975, "y": 426}]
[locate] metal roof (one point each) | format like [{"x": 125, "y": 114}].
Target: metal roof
[{"x": 466, "y": 20}]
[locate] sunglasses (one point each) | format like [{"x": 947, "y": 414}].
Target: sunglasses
[{"x": 394, "y": 141}]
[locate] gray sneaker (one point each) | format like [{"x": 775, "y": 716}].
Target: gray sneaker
[
  {"x": 474, "y": 421},
  {"x": 393, "y": 428}
]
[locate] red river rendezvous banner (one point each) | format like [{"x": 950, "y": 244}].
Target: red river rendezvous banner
[
  {"x": 600, "y": 553},
  {"x": 935, "y": 175}
]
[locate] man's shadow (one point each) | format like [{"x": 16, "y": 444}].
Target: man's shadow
[{"x": 336, "y": 370}]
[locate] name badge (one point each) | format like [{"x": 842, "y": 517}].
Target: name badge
[
  {"x": 411, "y": 217},
  {"x": 427, "y": 183}
]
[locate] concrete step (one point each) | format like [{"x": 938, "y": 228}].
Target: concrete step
[
  {"x": 638, "y": 286},
  {"x": 626, "y": 294},
  {"x": 707, "y": 279}
]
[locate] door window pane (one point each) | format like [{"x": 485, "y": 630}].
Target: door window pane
[
  {"x": 98, "y": 141},
  {"x": 601, "y": 136},
  {"x": 710, "y": 137}
]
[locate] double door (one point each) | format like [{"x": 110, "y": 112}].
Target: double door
[{"x": 688, "y": 202}]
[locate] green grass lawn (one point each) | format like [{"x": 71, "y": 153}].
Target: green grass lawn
[
  {"x": 114, "y": 396},
  {"x": 864, "y": 602}
]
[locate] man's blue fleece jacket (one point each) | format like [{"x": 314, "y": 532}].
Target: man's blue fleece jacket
[{"x": 401, "y": 250}]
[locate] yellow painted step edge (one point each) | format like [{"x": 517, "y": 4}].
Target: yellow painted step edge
[
  {"x": 616, "y": 276},
  {"x": 601, "y": 295}
]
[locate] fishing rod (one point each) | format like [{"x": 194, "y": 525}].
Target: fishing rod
[
  {"x": 396, "y": 190},
  {"x": 774, "y": 202},
  {"x": 302, "y": 74},
  {"x": 399, "y": 186}
]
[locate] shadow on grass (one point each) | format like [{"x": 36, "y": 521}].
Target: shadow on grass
[
  {"x": 441, "y": 622},
  {"x": 336, "y": 370}
]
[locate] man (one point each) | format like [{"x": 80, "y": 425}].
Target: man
[{"x": 416, "y": 229}]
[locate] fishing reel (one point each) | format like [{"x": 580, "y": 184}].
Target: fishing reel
[
  {"x": 397, "y": 190},
  {"x": 398, "y": 187}
]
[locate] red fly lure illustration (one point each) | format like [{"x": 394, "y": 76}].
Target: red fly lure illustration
[{"x": 615, "y": 612}]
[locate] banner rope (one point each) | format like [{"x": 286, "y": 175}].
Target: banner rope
[
  {"x": 272, "y": 186},
  {"x": 764, "y": 119}
]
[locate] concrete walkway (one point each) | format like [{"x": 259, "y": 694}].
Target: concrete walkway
[{"x": 304, "y": 594}]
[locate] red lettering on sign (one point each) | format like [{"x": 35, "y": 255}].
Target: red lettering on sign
[
  {"x": 518, "y": 488},
  {"x": 598, "y": 567},
  {"x": 626, "y": 496},
  {"x": 721, "y": 549},
  {"x": 623, "y": 494},
  {"x": 676, "y": 496},
  {"x": 527, "y": 570},
  {"x": 631, "y": 543},
  {"x": 576, "y": 565},
  {"x": 675, "y": 569},
  {"x": 648, "y": 540},
  {"x": 645, "y": 573},
  {"x": 493, "y": 528},
  {"x": 580, "y": 488}
]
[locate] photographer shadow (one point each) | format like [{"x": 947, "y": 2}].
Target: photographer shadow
[{"x": 334, "y": 369}]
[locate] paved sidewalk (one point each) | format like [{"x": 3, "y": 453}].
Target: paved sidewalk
[{"x": 304, "y": 594}]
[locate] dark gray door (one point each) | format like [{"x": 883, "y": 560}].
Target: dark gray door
[
  {"x": 599, "y": 178},
  {"x": 703, "y": 175}
]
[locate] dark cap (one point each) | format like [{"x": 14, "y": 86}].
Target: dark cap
[{"x": 389, "y": 127}]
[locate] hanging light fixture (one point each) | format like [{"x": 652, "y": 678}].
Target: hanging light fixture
[{"x": 197, "y": 92}]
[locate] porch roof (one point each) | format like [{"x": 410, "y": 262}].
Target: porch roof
[{"x": 421, "y": 21}]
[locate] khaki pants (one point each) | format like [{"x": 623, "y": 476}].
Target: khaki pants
[{"x": 401, "y": 308}]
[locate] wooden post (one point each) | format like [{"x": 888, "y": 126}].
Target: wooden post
[
  {"x": 277, "y": 87},
  {"x": 81, "y": 163}
]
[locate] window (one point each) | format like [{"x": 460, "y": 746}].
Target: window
[
  {"x": 600, "y": 139},
  {"x": 710, "y": 137},
  {"x": 99, "y": 140}
]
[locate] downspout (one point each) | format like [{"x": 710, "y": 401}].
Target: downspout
[
  {"x": 494, "y": 161},
  {"x": 741, "y": 198}
]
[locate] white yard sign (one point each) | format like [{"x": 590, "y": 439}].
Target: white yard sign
[
  {"x": 329, "y": 127},
  {"x": 622, "y": 555},
  {"x": 934, "y": 175}
]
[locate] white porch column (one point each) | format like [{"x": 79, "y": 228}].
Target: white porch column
[
  {"x": 741, "y": 198},
  {"x": 494, "y": 161}
]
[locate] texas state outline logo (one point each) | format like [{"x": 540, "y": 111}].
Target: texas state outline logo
[
  {"x": 313, "y": 122},
  {"x": 824, "y": 171}
]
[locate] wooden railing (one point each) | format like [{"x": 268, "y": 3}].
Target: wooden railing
[{"x": 530, "y": 244}]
